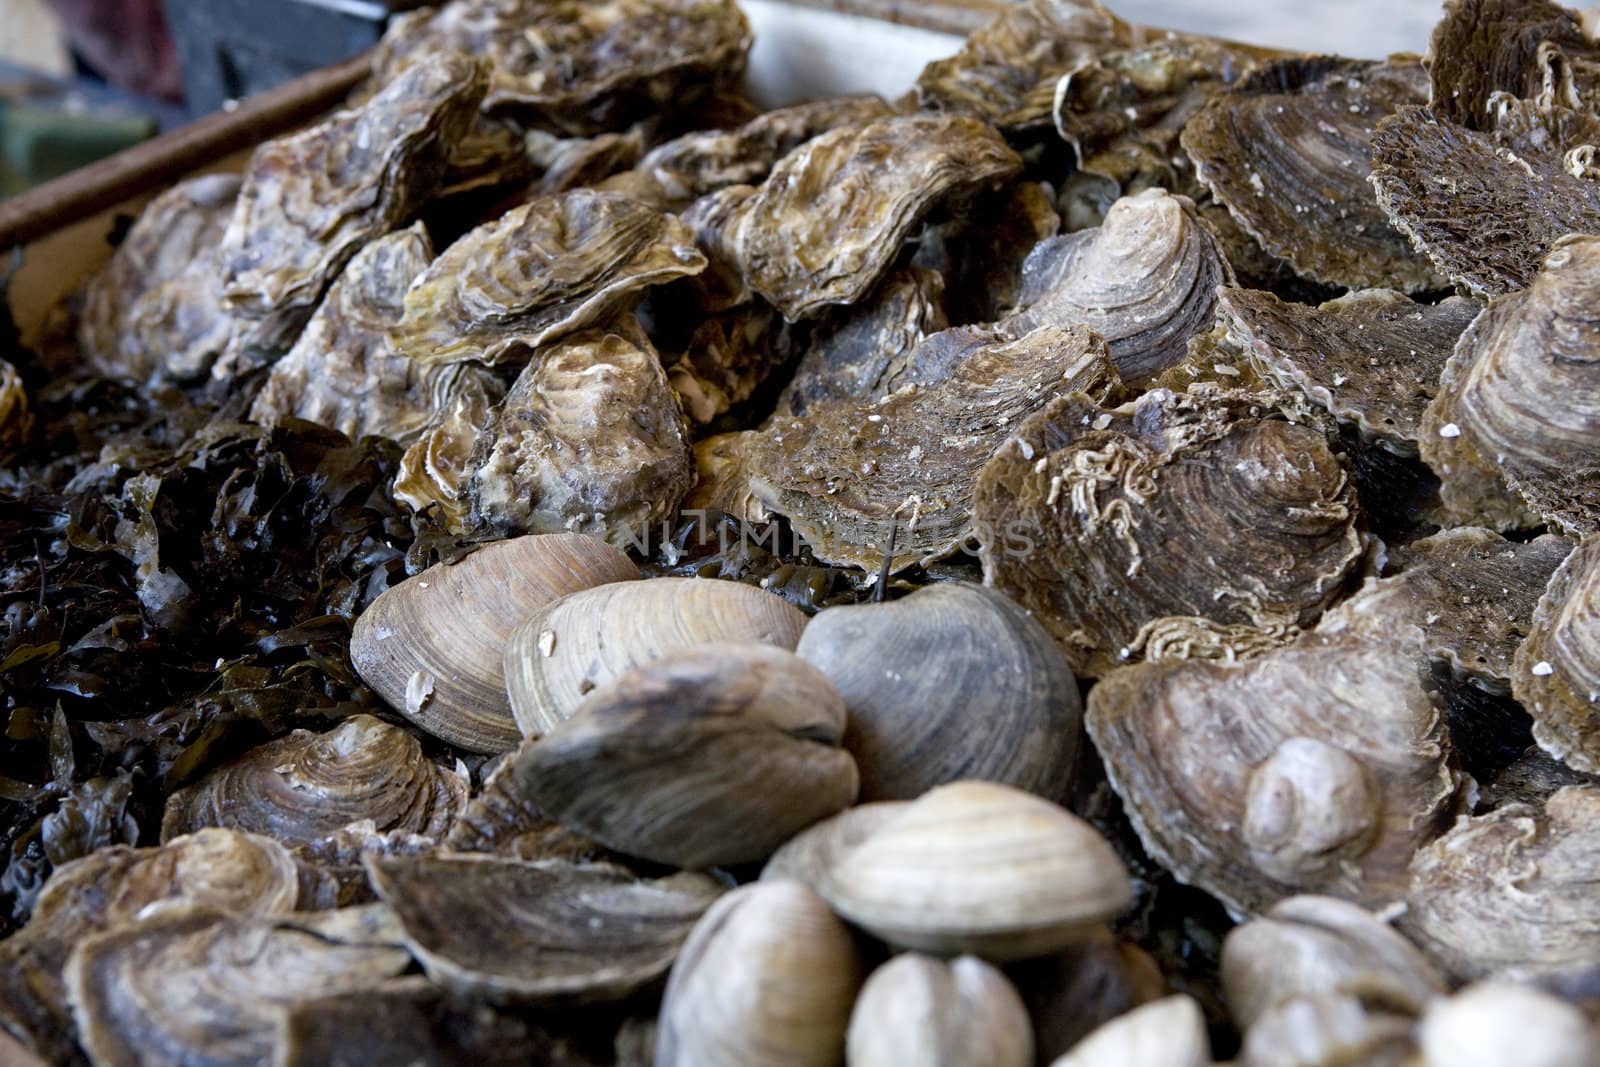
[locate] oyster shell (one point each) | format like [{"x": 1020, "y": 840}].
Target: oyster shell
[
  {"x": 578, "y": 68},
  {"x": 1288, "y": 150},
  {"x": 828, "y": 222},
  {"x": 1076, "y": 991},
  {"x": 541, "y": 271},
  {"x": 1318, "y": 767},
  {"x": 1481, "y": 48},
  {"x": 850, "y": 472},
  {"x": 311, "y": 200},
  {"x": 1146, "y": 280},
  {"x": 508, "y": 931},
  {"x": 303, "y": 786},
  {"x": 1512, "y": 431},
  {"x": 567, "y": 163},
  {"x": 589, "y": 440},
  {"x": 501, "y": 819},
  {"x": 1511, "y": 889},
  {"x": 728, "y": 358},
  {"x": 722, "y": 466},
  {"x": 434, "y": 469},
  {"x": 1205, "y": 506},
  {"x": 980, "y": 252},
  {"x": 16, "y": 421},
  {"x": 1556, "y": 674}
]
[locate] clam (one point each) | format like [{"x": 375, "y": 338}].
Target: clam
[
  {"x": 705, "y": 756},
  {"x": 1321, "y": 766},
  {"x": 963, "y": 1013},
  {"x": 566, "y": 649},
  {"x": 1494, "y": 1023},
  {"x": 768, "y": 976},
  {"x": 1170, "y": 1032},
  {"x": 1083, "y": 987},
  {"x": 1513, "y": 888},
  {"x": 432, "y": 645},
  {"x": 1328, "y": 1030},
  {"x": 1309, "y": 945},
  {"x": 510, "y": 931},
  {"x": 1556, "y": 674},
  {"x": 303, "y": 786},
  {"x": 952, "y": 682}
]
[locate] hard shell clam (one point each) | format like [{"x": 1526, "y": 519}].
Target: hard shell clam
[
  {"x": 433, "y": 645},
  {"x": 706, "y": 756},
  {"x": 952, "y": 682},
  {"x": 1494, "y": 1023},
  {"x": 1556, "y": 674},
  {"x": 1170, "y": 1032},
  {"x": 963, "y": 1013},
  {"x": 1328, "y": 1030},
  {"x": 566, "y": 649}
]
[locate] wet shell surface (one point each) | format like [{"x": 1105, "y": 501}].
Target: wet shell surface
[
  {"x": 915, "y": 1009},
  {"x": 1170, "y": 1032},
  {"x": 1556, "y": 674},
  {"x": 433, "y": 645}
]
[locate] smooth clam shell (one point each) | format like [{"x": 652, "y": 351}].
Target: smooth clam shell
[
  {"x": 707, "y": 756},
  {"x": 963, "y": 1013},
  {"x": 1494, "y": 1023},
  {"x": 1170, "y": 1032},
  {"x": 1326, "y": 1029},
  {"x": 1556, "y": 672},
  {"x": 768, "y": 976},
  {"x": 432, "y": 646},
  {"x": 953, "y": 682},
  {"x": 588, "y": 639}
]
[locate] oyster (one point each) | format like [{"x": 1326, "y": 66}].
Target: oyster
[
  {"x": 305, "y": 785},
  {"x": 541, "y": 271},
  {"x": 1203, "y": 506},
  {"x": 830, "y": 219},
  {"x": 501, "y": 819},
  {"x": 722, "y": 466},
  {"x": 854, "y": 476},
  {"x": 1556, "y": 675},
  {"x": 311, "y": 200},
  {"x": 1511, "y": 889},
  {"x": 1317, "y": 767},
  {"x": 578, "y": 68},
  {"x": 1482, "y": 48},
  {"x": 1146, "y": 280},
  {"x": 588, "y": 440},
  {"x": 728, "y": 358},
  {"x": 1288, "y": 150},
  {"x": 505, "y": 930},
  {"x": 16, "y": 421},
  {"x": 342, "y": 372},
  {"x": 154, "y": 310},
  {"x": 491, "y": 154},
  {"x": 434, "y": 469},
  {"x": 980, "y": 252},
  {"x": 567, "y": 163},
  {"x": 1512, "y": 431}
]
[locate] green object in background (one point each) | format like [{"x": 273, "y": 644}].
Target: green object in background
[{"x": 40, "y": 141}]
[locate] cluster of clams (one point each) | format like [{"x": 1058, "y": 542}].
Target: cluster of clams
[{"x": 1184, "y": 464}]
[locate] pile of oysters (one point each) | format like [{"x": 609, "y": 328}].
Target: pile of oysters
[{"x": 1093, "y": 563}]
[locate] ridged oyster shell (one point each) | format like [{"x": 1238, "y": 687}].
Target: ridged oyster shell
[{"x": 1556, "y": 674}]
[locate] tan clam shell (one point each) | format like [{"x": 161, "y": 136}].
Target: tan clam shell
[
  {"x": 432, "y": 645},
  {"x": 1328, "y": 1030},
  {"x": 1495, "y": 1023},
  {"x": 588, "y": 639},
  {"x": 1170, "y": 1032},
  {"x": 963, "y": 1013},
  {"x": 1556, "y": 672}
]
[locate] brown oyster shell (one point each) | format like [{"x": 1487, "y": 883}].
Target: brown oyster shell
[
  {"x": 567, "y": 163},
  {"x": 722, "y": 478},
  {"x": 589, "y": 440},
  {"x": 311, "y": 200},
  {"x": 1511, "y": 889},
  {"x": 1318, "y": 767},
  {"x": 1512, "y": 432},
  {"x": 1203, "y": 506},
  {"x": 1372, "y": 358},
  {"x": 16, "y": 420},
  {"x": 195, "y": 986},
  {"x": 1288, "y": 151},
  {"x": 830, "y": 219},
  {"x": 541, "y": 271},
  {"x": 578, "y": 68},
  {"x": 1556, "y": 674},
  {"x": 434, "y": 469},
  {"x": 1146, "y": 280},
  {"x": 432, "y": 645},
  {"x": 1484, "y": 47},
  {"x": 154, "y": 310},
  {"x": 980, "y": 252},
  {"x": 500, "y": 819},
  {"x": 504, "y": 930},
  {"x": 850, "y": 472},
  {"x": 303, "y": 786},
  {"x": 727, "y": 359}
]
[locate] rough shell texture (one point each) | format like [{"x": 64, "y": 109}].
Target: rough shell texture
[
  {"x": 540, "y": 271},
  {"x": 1328, "y": 1030},
  {"x": 509, "y": 931},
  {"x": 1318, "y": 767},
  {"x": 979, "y": 252},
  {"x": 580, "y": 68},
  {"x": 585, "y": 640},
  {"x": 706, "y": 756},
  {"x": 1371, "y": 358},
  {"x": 305, "y": 785},
  {"x": 853, "y": 475},
  {"x": 1484, "y": 47},
  {"x": 434, "y": 469},
  {"x": 1146, "y": 280},
  {"x": 501, "y": 819},
  {"x": 954, "y": 681},
  {"x": 768, "y": 976},
  {"x": 1165, "y": 1033},
  {"x": 1308, "y": 945},
  {"x": 830, "y": 219},
  {"x": 1556, "y": 674},
  {"x": 589, "y": 439},
  {"x": 1512, "y": 433},
  {"x": 16, "y": 419},
  {"x": 432, "y": 646},
  {"x": 727, "y": 359},
  {"x": 311, "y": 200},
  {"x": 1199, "y": 506},
  {"x": 195, "y": 986},
  {"x": 1288, "y": 151},
  {"x": 1498, "y": 1022},
  {"x": 964, "y": 1013},
  {"x": 722, "y": 478}
]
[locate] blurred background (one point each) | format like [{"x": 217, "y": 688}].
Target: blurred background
[{"x": 81, "y": 79}]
